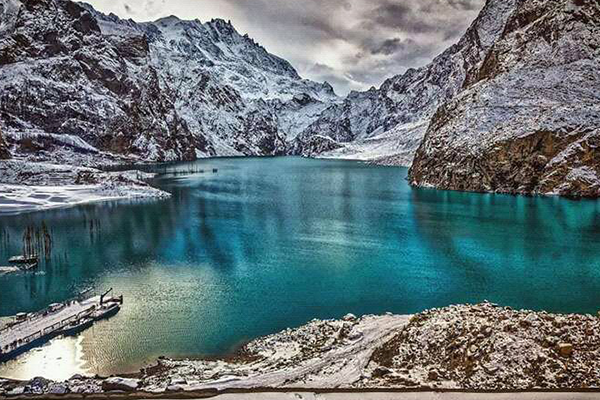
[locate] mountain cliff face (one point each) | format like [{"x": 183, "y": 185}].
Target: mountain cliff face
[
  {"x": 386, "y": 125},
  {"x": 167, "y": 90},
  {"x": 528, "y": 120}
]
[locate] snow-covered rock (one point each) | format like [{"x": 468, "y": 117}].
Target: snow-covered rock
[
  {"x": 118, "y": 383},
  {"x": 528, "y": 120},
  {"x": 4, "y": 151}
]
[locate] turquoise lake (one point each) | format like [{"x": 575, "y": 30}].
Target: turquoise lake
[{"x": 266, "y": 244}]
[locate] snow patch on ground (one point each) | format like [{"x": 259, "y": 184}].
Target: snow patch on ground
[
  {"x": 27, "y": 186},
  {"x": 16, "y": 199}
]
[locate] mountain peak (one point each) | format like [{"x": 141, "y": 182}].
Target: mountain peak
[
  {"x": 170, "y": 20},
  {"x": 220, "y": 22}
]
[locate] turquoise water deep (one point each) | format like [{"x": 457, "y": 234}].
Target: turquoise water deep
[{"x": 266, "y": 244}]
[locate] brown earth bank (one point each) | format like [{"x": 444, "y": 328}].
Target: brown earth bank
[{"x": 475, "y": 348}]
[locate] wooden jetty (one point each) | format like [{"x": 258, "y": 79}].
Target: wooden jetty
[{"x": 31, "y": 330}]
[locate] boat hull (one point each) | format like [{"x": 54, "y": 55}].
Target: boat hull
[
  {"x": 76, "y": 330},
  {"x": 25, "y": 348},
  {"x": 104, "y": 314}
]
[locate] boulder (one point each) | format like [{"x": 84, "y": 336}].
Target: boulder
[
  {"x": 122, "y": 384},
  {"x": 18, "y": 391},
  {"x": 433, "y": 375},
  {"x": 58, "y": 389},
  {"x": 565, "y": 349},
  {"x": 349, "y": 317}
]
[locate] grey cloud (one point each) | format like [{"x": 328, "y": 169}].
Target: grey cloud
[
  {"x": 396, "y": 15},
  {"x": 468, "y": 5},
  {"x": 362, "y": 42},
  {"x": 388, "y": 35},
  {"x": 395, "y": 45}
]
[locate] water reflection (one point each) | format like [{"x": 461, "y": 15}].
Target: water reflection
[{"x": 527, "y": 252}]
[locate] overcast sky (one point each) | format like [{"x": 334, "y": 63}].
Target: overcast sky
[{"x": 352, "y": 44}]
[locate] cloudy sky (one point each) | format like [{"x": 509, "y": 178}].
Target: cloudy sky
[{"x": 352, "y": 44}]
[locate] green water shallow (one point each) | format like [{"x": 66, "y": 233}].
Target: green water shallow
[{"x": 266, "y": 244}]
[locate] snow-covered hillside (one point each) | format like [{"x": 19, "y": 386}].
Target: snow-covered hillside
[
  {"x": 159, "y": 91},
  {"x": 528, "y": 120}
]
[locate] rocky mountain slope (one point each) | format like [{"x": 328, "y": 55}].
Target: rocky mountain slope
[
  {"x": 73, "y": 78},
  {"x": 528, "y": 120},
  {"x": 386, "y": 125}
]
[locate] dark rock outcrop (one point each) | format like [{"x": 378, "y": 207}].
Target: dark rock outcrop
[
  {"x": 4, "y": 151},
  {"x": 528, "y": 121}
]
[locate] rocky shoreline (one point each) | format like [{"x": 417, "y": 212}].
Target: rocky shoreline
[{"x": 481, "y": 347}]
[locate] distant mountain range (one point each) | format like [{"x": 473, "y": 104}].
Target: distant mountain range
[{"x": 512, "y": 107}]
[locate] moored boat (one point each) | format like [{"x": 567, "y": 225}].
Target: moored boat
[
  {"x": 28, "y": 267},
  {"x": 105, "y": 311},
  {"x": 19, "y": 268},
  {"x": 77, "y": 327}
]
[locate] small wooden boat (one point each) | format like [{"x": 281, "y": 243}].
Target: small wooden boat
[
  {"x": 31, "y": 259},
  {"x": 76, "y": 327}
]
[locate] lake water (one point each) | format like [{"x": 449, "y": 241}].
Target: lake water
[{"x": 266, "y": 244}]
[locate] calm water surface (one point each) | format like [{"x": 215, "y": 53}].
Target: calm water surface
[{"x": 266, "y": 244}]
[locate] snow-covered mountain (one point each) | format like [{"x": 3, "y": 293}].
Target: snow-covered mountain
[
  {"x": 512, "y": 107},
  {"x": 528, "y": 119},
  {"x": 73, "y": 78},
  {"x": 386, "y": 125}
]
